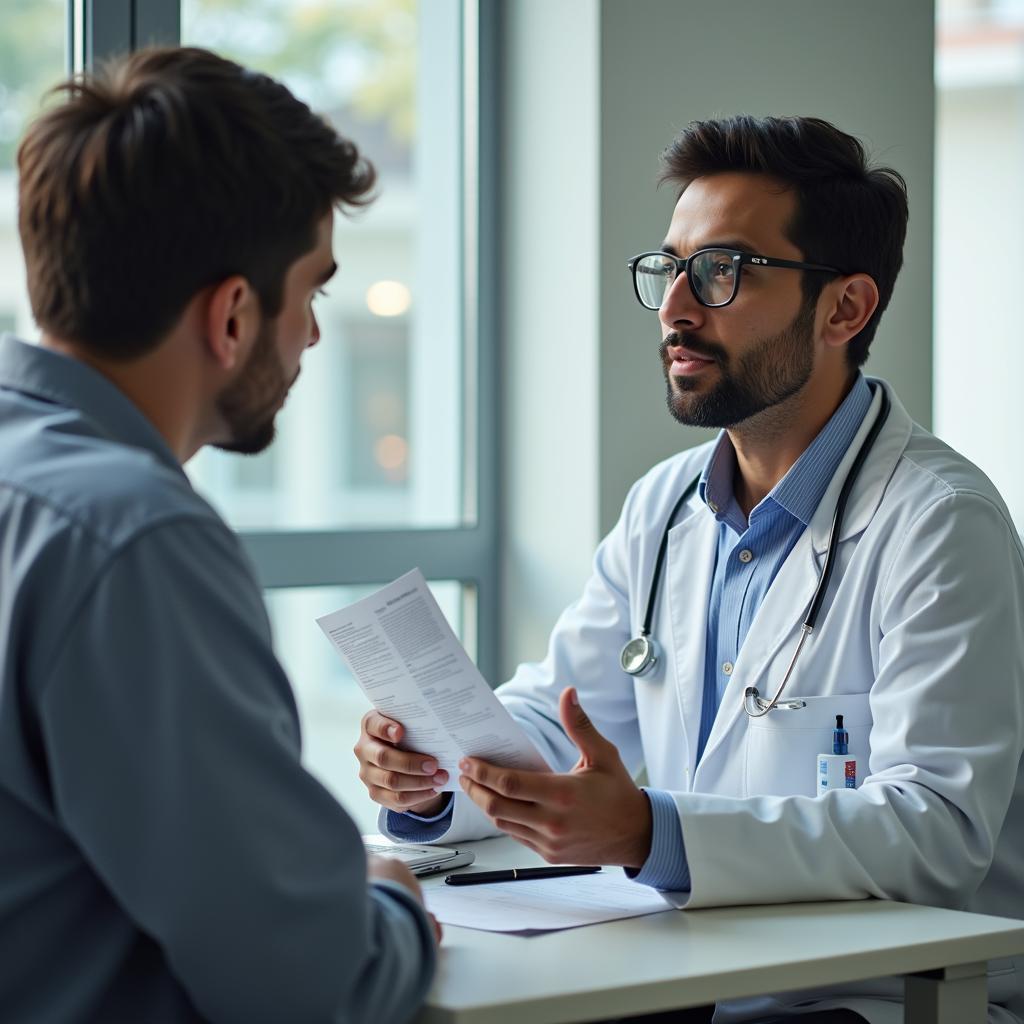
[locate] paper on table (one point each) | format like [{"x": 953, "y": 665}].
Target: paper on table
[
  {"x": 543, "y": 904},
  {"x": 410, "y": 664}
]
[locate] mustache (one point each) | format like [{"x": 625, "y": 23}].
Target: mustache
[{"x": 707, "y": 349}]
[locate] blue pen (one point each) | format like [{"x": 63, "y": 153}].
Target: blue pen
[{"x": 837, "y": 770}]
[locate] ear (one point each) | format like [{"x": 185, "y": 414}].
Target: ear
[
  {"x": 232, "y": 321},
  {"x": 850, "y": 303}
]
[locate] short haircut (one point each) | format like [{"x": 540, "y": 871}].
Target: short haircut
[
  {"x": 163, "y": 173},
  {"x": 848, "y": 214}
]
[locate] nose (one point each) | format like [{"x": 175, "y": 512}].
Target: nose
[{"x": 681, "y": 311}]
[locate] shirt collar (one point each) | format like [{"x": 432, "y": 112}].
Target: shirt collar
[
  {"x": 801, "y": 489},
  {"x": 68, "y": 382}
]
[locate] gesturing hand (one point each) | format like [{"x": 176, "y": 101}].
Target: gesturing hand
[{"x": 594, "y": 814}]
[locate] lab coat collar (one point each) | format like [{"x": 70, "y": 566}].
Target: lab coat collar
[{"x": 875, "y": 474}]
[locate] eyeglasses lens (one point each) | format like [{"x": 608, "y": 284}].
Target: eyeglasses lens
[
  {"x": 712, "y": 277},
  {"x": 654, "y": 277}
]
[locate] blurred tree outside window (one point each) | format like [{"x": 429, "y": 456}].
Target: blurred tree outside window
[{"x": 32, "y": 60}]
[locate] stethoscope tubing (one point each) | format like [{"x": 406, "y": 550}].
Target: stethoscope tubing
[{"x": 751, "y": 696}]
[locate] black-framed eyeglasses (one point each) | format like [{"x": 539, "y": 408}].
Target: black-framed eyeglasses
[{"x": 713, "y": 274}]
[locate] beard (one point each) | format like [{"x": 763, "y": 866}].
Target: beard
[
  {"x": 250, "y": 402},
  {"x": 773, "y": 369}
]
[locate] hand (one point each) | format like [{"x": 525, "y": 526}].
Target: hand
[
  {"x": 594, "y": 814},
  {"x": 391, "y": 870},
  {"x": 401, "y": 780}
]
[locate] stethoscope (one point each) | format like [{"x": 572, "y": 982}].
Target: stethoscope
[{"x": 640, "y": 654}]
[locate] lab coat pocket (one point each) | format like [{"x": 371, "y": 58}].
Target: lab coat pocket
[{"x": 782, "y": 747}]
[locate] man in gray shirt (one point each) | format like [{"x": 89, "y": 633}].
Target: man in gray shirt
[{"x": 164, "y": 857}]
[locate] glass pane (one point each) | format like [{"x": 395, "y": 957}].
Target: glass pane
[
  {"x": 32, "y": 59},
  {"x": 372, "y": 433},
  {"x": 979, "y": 205},
  {"x": 330, "y": 703}
]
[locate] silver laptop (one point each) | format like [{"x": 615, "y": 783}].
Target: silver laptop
[{"x": 420, "y": 860}]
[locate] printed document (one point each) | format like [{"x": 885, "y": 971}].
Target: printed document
[
  {"x": 543, "y": 904},
  {"x": 410, "y": 664}
]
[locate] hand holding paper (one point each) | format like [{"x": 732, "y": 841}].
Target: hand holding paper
[
  {"x": 409, "y": 663},
  {"x": 401, "y": 780}
]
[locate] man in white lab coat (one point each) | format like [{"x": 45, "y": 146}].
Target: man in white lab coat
[{"x": 906, "y": 616}]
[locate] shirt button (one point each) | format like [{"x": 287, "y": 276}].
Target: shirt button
[
  {"x": 746, "y": 555},
  {"x": 727, "y": 668}
]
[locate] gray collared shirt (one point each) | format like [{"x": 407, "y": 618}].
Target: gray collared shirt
[{"x": 164, "y": 856}]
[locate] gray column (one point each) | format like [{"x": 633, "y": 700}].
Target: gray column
[{"x": 952, "y": 995}]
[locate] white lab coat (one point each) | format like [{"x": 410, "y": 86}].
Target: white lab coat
[{"x": 919, "y": 645}]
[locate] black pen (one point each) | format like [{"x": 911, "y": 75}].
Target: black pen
[{"x": 517, "y": 875}]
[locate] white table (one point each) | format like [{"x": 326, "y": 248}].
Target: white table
[{"x": 690, "y": 958}]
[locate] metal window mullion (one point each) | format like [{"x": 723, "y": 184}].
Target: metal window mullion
[
  {"x": 358, "y": 557},
  {"x": 113, "y": 27},
  {"x": 481, "y": 20},
  {"x": 156, "y": 22}
]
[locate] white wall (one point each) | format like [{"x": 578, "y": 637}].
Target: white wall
[{"x": 594, "y": 90}]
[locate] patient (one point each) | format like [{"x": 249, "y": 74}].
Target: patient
[{"x": 163, "y": 854}]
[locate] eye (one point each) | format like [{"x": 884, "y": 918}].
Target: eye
[{"x": 722, "y": 270}]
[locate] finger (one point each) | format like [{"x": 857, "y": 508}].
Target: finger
[
  {"x": 400, "y": 781},
  {"x": 408, "y": 762},
  {"x": 375, "y": 724},
  {"x": 401, "y": 799},
  {"x": 522, "y": 834},
  {"x": 537, "y": 787},
  {"x": 593, "y": 747},
  {"x": 438, "y": 931},
  {"x": 496, "y": 806}
]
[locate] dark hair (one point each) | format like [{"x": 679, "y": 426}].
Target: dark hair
[
  {"x": 165, "y": 172},
  {"x": 848, "y": 214}
]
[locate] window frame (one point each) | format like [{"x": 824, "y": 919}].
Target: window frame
[{"x": 469, "y": 553}]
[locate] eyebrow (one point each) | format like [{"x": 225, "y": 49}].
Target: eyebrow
[{"x": 732, "y": 243}]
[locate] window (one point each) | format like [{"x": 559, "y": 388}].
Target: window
[
  {"x": 384, "y": 457},
  {"x": 979, "y": 358},
  {"x": 33, "y": 58},
  {"x": 372, "y": 433}
]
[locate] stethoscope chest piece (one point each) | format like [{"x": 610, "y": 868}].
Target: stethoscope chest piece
[{"x": 638, "y": 655}]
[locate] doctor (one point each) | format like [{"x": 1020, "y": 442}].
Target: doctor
[{"x": 824, "y": 545}]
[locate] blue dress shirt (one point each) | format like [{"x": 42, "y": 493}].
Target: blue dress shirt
[{"x": 164, "y": 856}]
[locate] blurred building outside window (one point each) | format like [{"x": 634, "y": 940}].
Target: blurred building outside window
[{"x": 979, "y": 218}]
